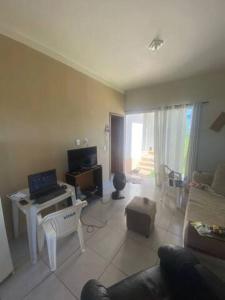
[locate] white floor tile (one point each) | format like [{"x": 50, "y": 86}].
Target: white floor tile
[
  {"x": 88, "y": 224},
  {"x": 155, "y": 240},
  {"x": 78, "y": 269},
  {"x": 20, "y": 284},
  {"x": 133, "y": 257},
  {"x": 19, "y": 250},
  {"x": 111, "y": 276},
  {"x": 106, "y": 242},
  {"x": 176, "y": 225},
  {"x": 102, "y": 210},
  {"x": 173, "y": 239},
  {"x": 118, "y": 221},
  {"x": 163, "y": 219},
  {"x": 50, "y": 289}
]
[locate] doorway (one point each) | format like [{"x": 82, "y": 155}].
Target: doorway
[
  {"x": 117, "y": 143},
  {"x": 139, "y": 145}
]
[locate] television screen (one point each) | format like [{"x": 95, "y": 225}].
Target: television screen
[{"x": 83, "y": 158}]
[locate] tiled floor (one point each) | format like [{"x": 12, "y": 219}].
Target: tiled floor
[{"x": 111, "y": 253}]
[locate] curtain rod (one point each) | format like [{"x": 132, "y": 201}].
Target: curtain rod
[
  {"x": 159, "y": 107},
  {"x": 179, "y": 105}
]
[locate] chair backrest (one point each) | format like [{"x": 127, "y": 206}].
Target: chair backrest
[
  {"x": 164, "y": 172},
  {"x": 169, "y": 176},
  {"x": 65, "y": 221}
]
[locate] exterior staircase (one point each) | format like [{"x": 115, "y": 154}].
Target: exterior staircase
[{"x": 146, "y": 164}]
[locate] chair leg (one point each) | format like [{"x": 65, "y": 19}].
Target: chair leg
[
  {"x": 51, "y": 243},
  {"x": 178, "y": 198},
  {"x": 80, "y": 236},
  {"x": 40, "y": 239},
  {"x": 163, "y": 192}
]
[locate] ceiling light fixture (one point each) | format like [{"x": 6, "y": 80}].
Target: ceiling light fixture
[{"x": 155, "y": 44}]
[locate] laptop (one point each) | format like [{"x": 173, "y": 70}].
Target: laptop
[{"x": 43, "y": 186}]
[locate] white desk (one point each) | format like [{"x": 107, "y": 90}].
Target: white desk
[{"x": 31, "y": 210}]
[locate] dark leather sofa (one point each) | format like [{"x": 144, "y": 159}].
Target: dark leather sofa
[{"x": 179, "y": 276}]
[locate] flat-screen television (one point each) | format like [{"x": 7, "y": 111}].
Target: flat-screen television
[{"x": 81, "y": 159}]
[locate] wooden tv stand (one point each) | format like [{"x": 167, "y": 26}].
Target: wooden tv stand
[{"x": 85, "y": 179}]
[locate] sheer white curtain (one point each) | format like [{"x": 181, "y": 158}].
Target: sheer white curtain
[
  {"x": 169, "y": 139},
  {"x": 192, "y": 155},
  {"x": 148, "y": 131}
]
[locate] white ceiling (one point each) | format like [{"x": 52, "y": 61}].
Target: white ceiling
[{"x": 108, "y": 39}]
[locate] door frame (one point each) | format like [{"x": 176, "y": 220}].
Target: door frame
[{"x": 110, "y": 127}]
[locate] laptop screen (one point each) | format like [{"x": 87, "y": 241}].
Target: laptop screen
[{"x": 42, "y": 181}]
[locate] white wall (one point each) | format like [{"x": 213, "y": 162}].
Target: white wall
[{"x": 208, "y": 87}]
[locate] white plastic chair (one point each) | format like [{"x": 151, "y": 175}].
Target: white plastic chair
[
  {"x": 171, "y": 181},
  {"x": 57, "y": 225}
]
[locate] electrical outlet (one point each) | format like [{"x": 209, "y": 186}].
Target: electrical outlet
[{"x": 85, "y": 141}]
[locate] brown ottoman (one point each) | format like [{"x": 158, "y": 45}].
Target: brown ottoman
[{"x": 140, "y": 214}]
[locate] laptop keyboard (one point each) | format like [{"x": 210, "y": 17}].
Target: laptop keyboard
[{"x": 50, "y": 195}]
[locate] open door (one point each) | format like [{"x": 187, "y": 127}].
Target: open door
[{"x": 117, "y": 143}]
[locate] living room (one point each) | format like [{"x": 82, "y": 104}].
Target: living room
[{"x": 66, "y": 70}]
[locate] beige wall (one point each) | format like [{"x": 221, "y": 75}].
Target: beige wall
[
  {"x": 44, "y": 106},
  {"x": 209, "y": 87}
]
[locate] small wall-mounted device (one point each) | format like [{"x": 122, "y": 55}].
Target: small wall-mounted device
[
  {"x": 107, "y": 129},
  {"x": 85, "y": 142},
  {"x": 77, "y": 142}
]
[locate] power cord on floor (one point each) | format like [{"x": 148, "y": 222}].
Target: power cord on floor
[
  {"x": 91, "y": 227},
  {"x": 105, "y": 202}
]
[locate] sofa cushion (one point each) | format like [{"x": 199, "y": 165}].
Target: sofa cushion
[
  {"x": 205, "y": 207},
  {"x": 218, "y": 184},
  {"x": 202, "y": 177},
  {"x": 214, "y": 284}
]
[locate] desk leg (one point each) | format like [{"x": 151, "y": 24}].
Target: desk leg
[
  {"x": 73, "y": 196},
  {"x": 15, "y": 213},
  {"x": 31, "y": 218}
]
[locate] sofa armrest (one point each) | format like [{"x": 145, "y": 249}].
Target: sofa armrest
[
  {"x": 93, "y": 290},
  {"x": 203, "y": 177},
  {"x": 174, "y": 259}
]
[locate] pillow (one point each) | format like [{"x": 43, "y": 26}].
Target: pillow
[
  {"x": 218, "y": 184},
  {"x": 202, "y": 177},
  {"x": 198, "y": 185}
]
